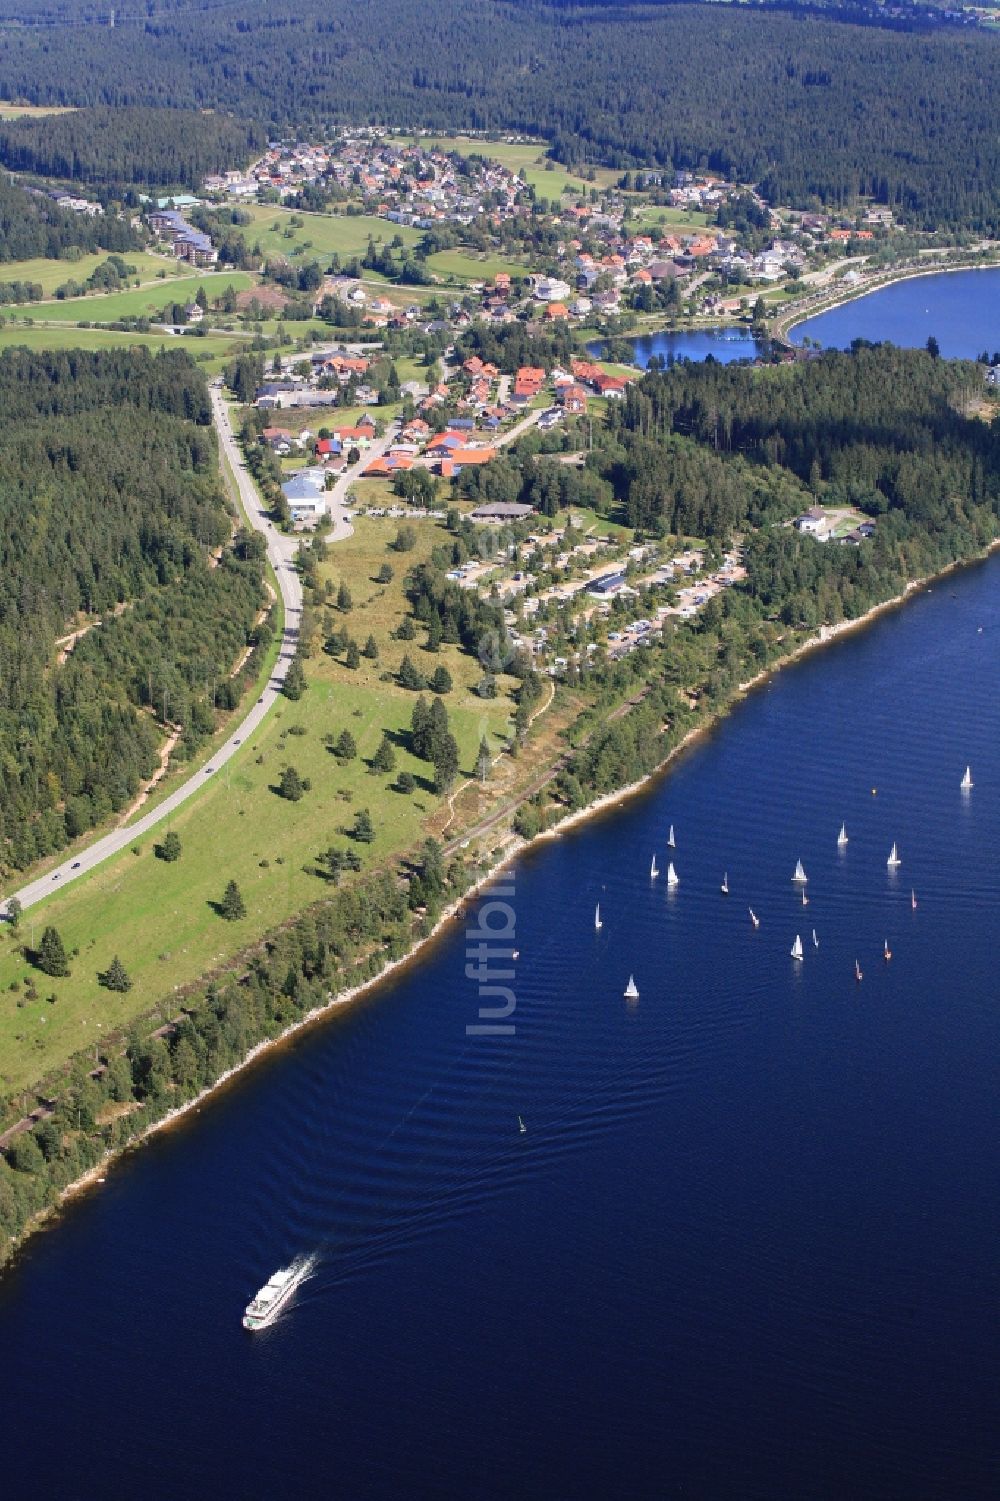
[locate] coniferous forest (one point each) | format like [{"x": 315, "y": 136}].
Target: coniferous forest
[
  {"x": 32, "y": 224},
  {"x": 110, "y": 506},
  {"x": 813, "y": 108}
]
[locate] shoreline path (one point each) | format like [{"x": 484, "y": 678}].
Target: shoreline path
[{"x": 281, "y": 550}]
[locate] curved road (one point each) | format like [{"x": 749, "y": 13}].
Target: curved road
[{"x": 281, "y": 551}]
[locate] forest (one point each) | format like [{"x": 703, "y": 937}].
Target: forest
[
  {"x": 32, "y": 224},
  {"x": 813, "y": 108},
  {"x": 105, "y": 147},
  {"x": 110, "y": 506}
]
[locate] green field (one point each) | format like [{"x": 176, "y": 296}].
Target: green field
[
  {"x": 10, "y": 111},
  {"x": 50, "y": 274},
  {"x": 140, "y": 302},
  {"x": 322, "y": 234},
  {"x": 667, "y": 219},
  {"x": 529, "y": 158},
  {"x": 469, "y": 265},
  {"x": 158, "y": 917},
  {"x": 211, "y": 351}
]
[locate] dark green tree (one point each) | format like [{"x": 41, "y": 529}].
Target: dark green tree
[
  {"x": 440, "y": 680},
  {"x": 370, "y": 649},
  {"x": 352, "y": 657},
  {"x": 346, "y": 748},
  {"x": 169, "y": 848},
  {"x": 445, "y": 761},
  {"x": 52, "y": 958},
  {"x": 344, "y": 600},
  {"x": 384, "y": 759},
  {"x": 409, "y": 677},
  {"x": 14, "y": 910},
  {"x": 233, "y": 906},
  {"x": 295, "y": 682},
  {"x": 116, "y": 976},
  {"x": 291, "y": 785},
  {"x": 363, "y": 830}
]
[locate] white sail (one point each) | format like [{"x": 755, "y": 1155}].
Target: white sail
[
  {"x": 672, "y": 877},
  {"x": 800, "y": 872},
  {"x": 724, "y": 888},
  {"x": 967, "y": 779},
  {"x": 597, "y": 917},
  {"x": 653, "y": 871},
  {"x": 797, "y": 951},
  {"x": 670, "y": 838},
  {"x": 842, "y": 836},
  {"x": 893, "y": 859},
  {"x": 815, "y": 940},
  {"x": 631, "y": 990},
  {"x": 753, "y": 917}
]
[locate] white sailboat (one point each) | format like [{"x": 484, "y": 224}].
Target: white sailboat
[
  {"x": 654, "y": 870},
  {"x": 631, "y": 990},
  {"x": 724, "y": 888},
  {"x": 966, "y": 781},
  {"x": 753, "y": 917},
  {"x": 671, "y": 843},
  {"x": 598, "y": 925},
  {"x": 672, "y": 877},
  {"x": 815, "y": 940},
  {"x": 842, "y": 836},
  {"x": 797, "y": 950},
  {"x": 805, "y": 899},
  {"x": 522, "y": 1128},
  {"x": 800, "y": 872},
  {"x": 893, "y": 859}
]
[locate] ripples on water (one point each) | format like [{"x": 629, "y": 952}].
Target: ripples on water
[{"x": 746, "y": 1246}]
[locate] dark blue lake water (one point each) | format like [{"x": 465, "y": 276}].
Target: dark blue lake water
[
  {"x": 723, "y": 344},
  {"x": 747, "y": 1246},
  {"x": 961, "y": 309}
]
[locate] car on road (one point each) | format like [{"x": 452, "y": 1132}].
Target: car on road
[
  {"x": 236, "y": 742},
  {"x": 75, "y": 865},
  {"x": 209, "y": 770}
]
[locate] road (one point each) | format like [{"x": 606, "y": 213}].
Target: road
[{"x": 281, "y": 551}]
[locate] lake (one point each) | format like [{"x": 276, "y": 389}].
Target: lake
[
  {"x": 723, "y": 344},
  {"x": 747, "y": 1244},
  {"x": 961, "y": 309}
]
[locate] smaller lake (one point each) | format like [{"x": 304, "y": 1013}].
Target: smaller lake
[
  {"x": 960, "y": 308},
  {"x": 723, "y": 344}
]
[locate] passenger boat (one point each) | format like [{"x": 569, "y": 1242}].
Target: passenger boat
[{"x": 265, "y": 1306}]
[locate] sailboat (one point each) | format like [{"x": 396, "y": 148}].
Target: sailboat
[
  {"x": 598, "y": 925},
  {"x": 653, "y": 870},
  {"x": 913, "y": 901},
  {"x": 521, "y": 1126},
  {"x": 800, "y": 872},
  {"x": 893, "y": 859},
  {"x": 724, "y": 888},
  {"x": 966, "y": 781},
  {"x": 815, "y": 940},
  {"x": 753, "y": 917},
  {"x": 671, "y": 843},
  {"x": 886, "y": 951},
  {"x": 797, "y": 950},
  {"x": 631, "y": 990},
  {"x": 805, "y": 899},
  {"x": 857, "y": 971},
  {"x": 842, "y": 836},
  {"x": 672, "y": 876}
]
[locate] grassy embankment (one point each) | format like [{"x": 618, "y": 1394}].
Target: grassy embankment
[
  {"x": 147, "y": 301},
  {"x": 50, "y": 274},
  {"x": 160, "y": 917}
]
